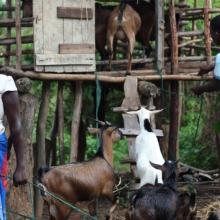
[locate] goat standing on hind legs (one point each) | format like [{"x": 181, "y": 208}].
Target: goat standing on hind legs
[
  {"x": 123, "y": 24},
  {"x": 82, "y": 181}
]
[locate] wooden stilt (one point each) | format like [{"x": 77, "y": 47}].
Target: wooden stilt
[
  {"x": 76, "y": 121},
  {"x": 40, "y": 143},
  {"x": 60, "y": 121}
]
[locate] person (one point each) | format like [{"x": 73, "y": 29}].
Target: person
[
  {"x": 9, "y": 106},
  {"x": 213, "y": 85}
]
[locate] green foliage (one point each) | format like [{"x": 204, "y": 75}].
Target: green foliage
[
  {"x": 120, "y": 151},
  {"x": 192, "y": 150}
]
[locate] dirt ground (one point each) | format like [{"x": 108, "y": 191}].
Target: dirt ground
[
  {"x": 207, "y": 198},
  {"x": 204, "y": 204}
]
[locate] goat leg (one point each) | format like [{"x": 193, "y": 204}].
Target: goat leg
[{"x": 92, "y": 207}]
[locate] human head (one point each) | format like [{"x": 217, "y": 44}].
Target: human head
[{"x": 215, "y": 29}]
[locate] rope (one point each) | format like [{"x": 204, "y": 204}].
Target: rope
[
  {"x": 198, "y": 120},
  {"x": 54, "y": 196}
]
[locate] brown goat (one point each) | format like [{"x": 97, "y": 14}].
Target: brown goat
[
  {"x": 123, "y": 24},
  {"x": 83, "y": 181},
  {"x": 27, "y": 8}
]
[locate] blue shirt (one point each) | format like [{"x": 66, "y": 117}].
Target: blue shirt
[{"x": 217, "y": 67}]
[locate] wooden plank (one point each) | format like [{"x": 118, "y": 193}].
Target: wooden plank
[
  {"x": 135, "y": 132},
  {"x": 52, "y": 29},
  {"x": 75, "y": 13},
  {"x": 76, "y": 48},
  {"x": 38, "y": 26},
  {"x": 159, "y": 8},
  {"x": 63, "y": 59},
  {"x": 68, "y": 31}
]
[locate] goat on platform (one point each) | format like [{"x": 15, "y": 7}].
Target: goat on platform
[
  {"x": 123, "y": 24},
  {"x": 157, "y": 202},
  {"x": 147, "y": 149},
  {"x": 82, "y": 181}
]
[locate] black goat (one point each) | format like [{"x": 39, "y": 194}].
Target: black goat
[{"x": 157, "y": 202}]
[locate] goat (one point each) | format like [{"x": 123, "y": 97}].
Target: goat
[
  {"x": 186, "y": 207},
  {"x": 101, "y": 19},
  {"x": 27, "y": 8},
  {"x": 123, "y": 24},
  {"x": 146, "y": 10},
  {"x": 147, "y": 149},
  {"x": 157, "y": 202},
  {"x": 83, "y": 181}
]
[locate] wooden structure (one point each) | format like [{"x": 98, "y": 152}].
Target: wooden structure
[
  {"x": 64, "y": 36},
  {"x": 64, "y": 50}
]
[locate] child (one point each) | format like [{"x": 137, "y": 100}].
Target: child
[
  {"x": 213, "y": 85},
  {"x": 9, "y": 106}
]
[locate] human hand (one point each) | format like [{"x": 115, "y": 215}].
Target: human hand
[
  {"x": 19, "y": 176},
  {"x": 203, "y": 70}
]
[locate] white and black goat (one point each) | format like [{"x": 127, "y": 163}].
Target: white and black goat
[
  {"x": 147, "y": 149},
  {"x": 82, "y": 181}
]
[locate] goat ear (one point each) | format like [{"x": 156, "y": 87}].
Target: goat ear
[
  {"x": 93, "y": 130},
  {"x": 155, "y": 111},
  {"x": 156, "y": 166}
]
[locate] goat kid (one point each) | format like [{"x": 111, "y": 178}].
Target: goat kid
[
  {"x": 82, "y": 181},
  {"x": 123, "y": 24},
  {"x": 157, "y": 202},
  {"x": 147, "y": 149}
]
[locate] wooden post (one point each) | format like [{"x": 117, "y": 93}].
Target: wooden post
[
  {"x": 8, "y": 47},
  {"x": 159, "y": 8},
  {"x": 18, "y": 198},
  {"x": 207, "y": 32},
  {"x": 131, "y": 101},
  {"x": 76, "y": 121},
  {"x": 174, "y": 38},
  {"x": 53, "y": 137},
  {"x": 40, "y": 143},
  {"x": 60, "y": 121},
  {"x": 174, "y": 121},
  {"x": 175, "y": 97},
  {"x": 18, "y": 35}
]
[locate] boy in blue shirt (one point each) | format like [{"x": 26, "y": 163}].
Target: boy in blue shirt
[{"x": 213, "y": 85}]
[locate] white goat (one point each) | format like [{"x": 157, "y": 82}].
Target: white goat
[{"x": 147, "y": 149}]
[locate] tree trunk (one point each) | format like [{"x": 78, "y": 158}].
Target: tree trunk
[
  {"x": 20, "y": 199},
  {"x": 40, "y": 144},
  {"x": 76, "y": 122}
]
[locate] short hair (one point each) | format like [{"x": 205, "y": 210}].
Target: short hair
[{"x": 215, "y": 24}]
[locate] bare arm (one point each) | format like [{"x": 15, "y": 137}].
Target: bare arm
[
  {"x": 11, "y": 108},
  {"x": 206, "y": 69}
]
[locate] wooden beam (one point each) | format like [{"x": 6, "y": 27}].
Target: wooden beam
[
  {"x": 103, "y": 78},
  {"x": 75, "y": 13},
  {"x": 76, "y": 48},
  {"x": 9, "y": 22}
]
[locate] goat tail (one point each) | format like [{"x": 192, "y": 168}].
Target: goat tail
[
  {"x": 41, "y": 171},
  {"x": 121, "y": 11}
]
